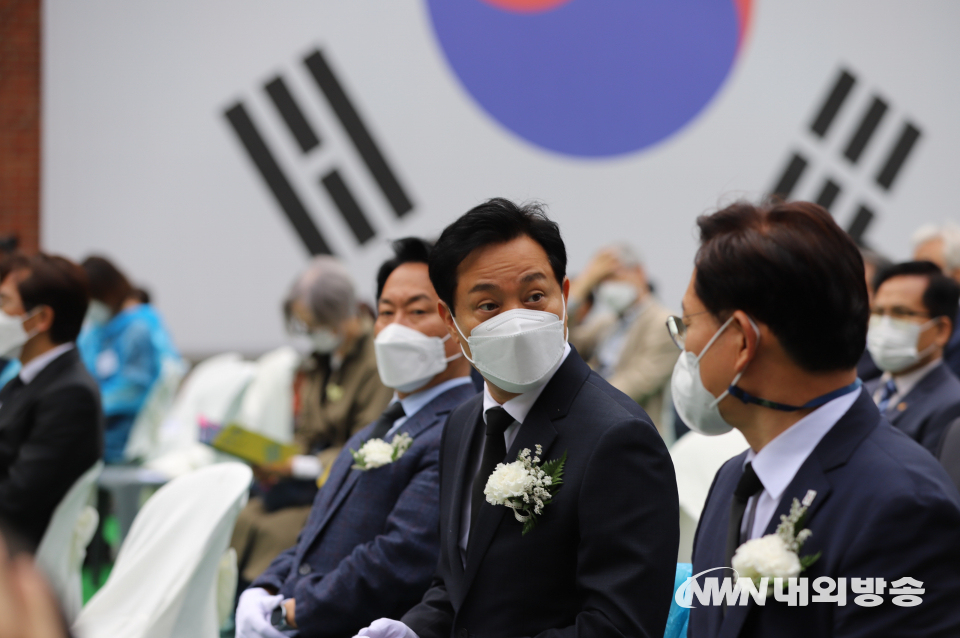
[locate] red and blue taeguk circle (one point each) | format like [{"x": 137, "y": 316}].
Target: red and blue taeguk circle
[{"x": 591, "y": 78}]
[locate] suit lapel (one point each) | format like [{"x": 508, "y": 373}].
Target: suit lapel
[
  {"x": 833, "y": 451},
  {"x": 553, "y": 404}
]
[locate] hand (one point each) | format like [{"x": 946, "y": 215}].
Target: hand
[
  {"x": 27, "y": 607},
  {"x": 253, "y": 614},
  {"x": 290, "y": 607},
  {"x": 603, "y": 264},
  {"x": 387, "y": 628}
]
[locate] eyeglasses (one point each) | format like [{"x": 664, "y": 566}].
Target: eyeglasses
[
  {"x": 678, "y": 329},
  {"x": 897, "y": 312}
]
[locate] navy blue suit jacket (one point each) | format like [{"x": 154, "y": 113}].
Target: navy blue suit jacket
[
  {"x": 884, "y": 508},
  {"x": 602, "y": 558},
  {"x": 370, "y": 546},
  {"x": 926, "y": 411}
]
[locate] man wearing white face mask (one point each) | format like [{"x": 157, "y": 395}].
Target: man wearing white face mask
[
  {"x": 51, "y": 424},
  {"x": 911, "y": 322},
  {"x": 775, "y": 320},
  {"x": 622, "y": 337},
  {"x": 370, "y": 546},
  {"x": 600, "y": 558}
]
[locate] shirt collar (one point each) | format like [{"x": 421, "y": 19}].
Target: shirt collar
[
  {"x": 30, "y": 371},
  {"x": 415, "y": 402},
  {"x": 780, "y": 459},
  {"x": 519, "y": 406},
  {"x": 906, "y": 382}
]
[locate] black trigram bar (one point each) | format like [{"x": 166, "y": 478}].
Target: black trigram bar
[
  {"x": 358, "y": 132},
  {"x": 871, "y": 119},
  {"x": 828, "y": 194},
  {"x": 908, "y": 137},
  {"x": 836, "y": 98},
  {"x": 790, "y": 177},
  {"x": 347, "y": 203},
  {"x": 276, "y": 180},
  {"x": 859, "y": 224},
  {"x": 292, "y": 115}
]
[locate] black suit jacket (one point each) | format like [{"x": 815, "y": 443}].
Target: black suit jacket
[
  {"x": 51, "y": 432},
  {"x": 926, "y": 411},
  {"x": 884, "y": 508},
  {"x": 601, "y": 560}
]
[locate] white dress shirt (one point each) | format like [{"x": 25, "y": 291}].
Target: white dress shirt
[
  {"x": 308, "y": 466},
  {"x": 904, "y": 382},
  {"x": 518, "y": 407},
  {"x": 30, "y": 371},
  {"x": 778, "y": 462}
]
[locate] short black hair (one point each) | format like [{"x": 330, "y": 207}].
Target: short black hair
[
  {"x": 496, "y": 221},
  {"x": 409, "y": 250},
  {"x": 60, "y": 284},
  {"x": 791, "y": 267},
  {"x": 942, "y": 295},
  {"x": 107, "y": 283}
]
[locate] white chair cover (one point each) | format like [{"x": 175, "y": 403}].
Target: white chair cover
[
  {"x": 267, "y": 405},
  {"x": 144, "y": 441},
  {"x": 696, "y": 459},
  {"x": 164, "y": 583},
  {"x": 214, "y": 391},
  {"x": 64, "y": 544}
]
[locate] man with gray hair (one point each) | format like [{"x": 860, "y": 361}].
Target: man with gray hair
[
  {"x": 337, "y": 393},
  {"x": 622, "y": 337},
  {"x": 941, "y": 245}
]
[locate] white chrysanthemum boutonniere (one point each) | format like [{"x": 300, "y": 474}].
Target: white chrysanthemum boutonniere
[
  {"x": 377, "y": 452},
  {"x": 778, "y": 555},
  {"x": 525, "y": 486}
]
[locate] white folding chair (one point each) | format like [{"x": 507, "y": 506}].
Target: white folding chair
[
  {"x": 144, "y": 441},
  {"x": 213, "y": 390},
  {"x": 164, "y": 583},
  {"x": 267, "y": 405},
  {"x": 696, "y": 459},
  {"x": 64, "y": 544}
]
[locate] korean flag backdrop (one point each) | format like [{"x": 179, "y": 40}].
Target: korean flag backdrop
[{"x": 210, "y": 148}]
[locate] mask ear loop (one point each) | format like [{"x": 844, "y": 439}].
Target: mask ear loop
[
  {"x": 30, "y": 315},
  {"x": 455, "y": 356},
  {"x": 739, "y": 374}
]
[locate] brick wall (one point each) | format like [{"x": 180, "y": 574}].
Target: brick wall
[{"x": 20, "y": 121}]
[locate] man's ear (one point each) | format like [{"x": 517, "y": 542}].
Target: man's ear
[
  {"x": 41, "y": 321},
  {"x": 565, "y": 288},
  {"x": 447, "y": 318},
  {"x": 944, "y": 330},
  {"x": 749, "y": 339}
]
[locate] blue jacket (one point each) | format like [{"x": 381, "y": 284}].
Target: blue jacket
[
  {"x": 124, "y": 355},
  {"x": 926, "y": 411},
  {"x": 370, "y": 546},
  {"x": 884, "y": 508}
]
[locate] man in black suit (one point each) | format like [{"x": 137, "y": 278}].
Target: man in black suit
[
  {"x": 910, "y": 325},
  {"x": 775, "y": 319},
  {"x": 51, "y": 425},
  {"x": 601, "y": 558}
]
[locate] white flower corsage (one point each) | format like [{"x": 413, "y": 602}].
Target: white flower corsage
[
  {"x": 525, "y": 486},
  {"x": 377, "y": 452},
  {"x": 777, "y": 555}
]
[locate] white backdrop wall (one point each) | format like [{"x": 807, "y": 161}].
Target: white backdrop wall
[{"x": 140, "y": 164}]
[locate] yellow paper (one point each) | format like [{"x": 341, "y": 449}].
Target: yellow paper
[{"x": 252, "y": 447}]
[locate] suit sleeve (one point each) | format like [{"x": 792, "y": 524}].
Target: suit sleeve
[
  {"x": 65, "y": 441},
  {"x": 378, "y": 575},
  {"x": 644, "y": 371},
  {"x": 932, "y": 433},
  {"x": 912, "y": 537},
  {"x": 629, "y": 536},
  {"x": 279, "y": 569}
]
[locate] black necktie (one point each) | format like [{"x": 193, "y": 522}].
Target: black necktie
[
  {"x": 393, "y": 412},
  {"x": 494, "y": 451},
  {"x": 748, "y": 486}
]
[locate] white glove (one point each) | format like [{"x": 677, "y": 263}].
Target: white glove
[
  {"x": 253, "y": 614},
  {"x": 387, "y": 628}
]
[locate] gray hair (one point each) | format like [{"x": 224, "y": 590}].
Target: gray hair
[
  {"x": 949, "y": 232},
  {"x": 628, "y": 255},
  {"x": 326, "y": 290}
]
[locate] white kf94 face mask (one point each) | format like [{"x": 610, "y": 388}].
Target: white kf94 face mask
[
  {"x": 407, "y": 359},
  {"x": 697, "y": 407},
  {"x": 519, "y": 349},
  {"x": 13, "y": 335},
  {"x": 893, "y": 343}
]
